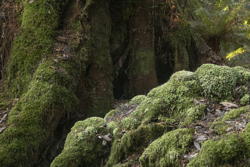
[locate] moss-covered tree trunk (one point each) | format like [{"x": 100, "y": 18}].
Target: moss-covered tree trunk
[{"x": 68, "y": 60}]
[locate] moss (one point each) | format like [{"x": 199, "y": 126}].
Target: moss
[
  {"x": 216, "y": 153},
  {"x": 245, "y": 100},
  {"x": 34, "y": 119},
  {"x": 109, "y": 116},
  {"x": 245, "y": 74},
  {"x": 246, "y": 137},
  {"x": 137, "y": 99},
  {"x": 133, "y": 141},
  {"x": 219, "y": 127},
  {"x": 168, "y": 149},
  {"x": 113, "y": 126},
  {"x": 82, "y": 146},
  {"x": 193, "y": 114},
  {"x": 235, "y": 113},
  {"x": 218, "y": 82},
  {"x": 183, "y": 76},
  {"x": 35, "y": 41},
  {"x": 170, "y": 100}
]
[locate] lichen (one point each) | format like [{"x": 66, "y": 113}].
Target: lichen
[
  {"x": 82, "y": 146},
  {"x": 168, "y": 149}
]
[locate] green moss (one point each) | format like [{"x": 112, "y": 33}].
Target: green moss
[
  {"x": 35, "y": 118},
  {"x": 245, "y": 74},
  {"x": 193, "y": 114},
  {"x": 219, "y": 127},
  {"x": 133, "y": 141},
  {"x": 109, "y": 116},
  {"x": 218, "y": 82},
  {"x": 216, "y": 153},
  {"x": 245, "y": 100},
  {"x": 183, "y": 76},
  {"x": 82, "y": 146},
  {"x": 137, "y": 99},
  {"x": 168, "y": 149},
  {"x": 170, "y": 100},
  {"x": 235, "y": 113},
  {"x": 246, "y": 137},
  {"x": 35, "y": 41}
]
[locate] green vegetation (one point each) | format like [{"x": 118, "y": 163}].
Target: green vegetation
[
  {"x": 83, "y": 147},
  {"x": 39, "y": 22},
  {"x": 153, "y": 133},
  {"x": 217, "y": 81},
  {"x": 166, "y": 150}
]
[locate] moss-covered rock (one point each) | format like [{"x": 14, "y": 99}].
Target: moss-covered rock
[
  {"x": 179, "y": 108},
  {"x": 219, "y": 152},
  {"x": 137, "y": 99},
  {"x": 245, "y": 99},
  {"x": 234, "y": 113},
  {"x": 218, "y": 82},
  {"x": 84, "y": 145},
  {"x": 133, "y": 142},
  {"x": 168, "y": 149}
]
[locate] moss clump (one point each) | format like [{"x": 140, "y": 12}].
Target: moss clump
[
  {"x": 82, "y": 146},
  {"x": 218, "y": 82},
  {"x": 109, "y": 116},
  {"x": 245, "y": 99},
  {"x": 133, "y": 141},
  {"x": 167, "y": 150},
  {"x": 246, "y": 137},
  {"x": 220, "y": 126},
  {"x": 137, "y": 99},
  {"x": 245, "y": 74},
  {"x": 35, "y": 41},
  {"x": 170, "y": 100},
  {"x": 235, "y": 113},
  {"x": 220, "y": 152},
  {"x": 193, "y": 114}
]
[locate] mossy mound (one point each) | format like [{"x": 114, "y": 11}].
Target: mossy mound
[
  {"x": 184, "y": 122},
  {"x": 217, "y": 81},
  {"x": 84, "y": 144},
  {"x": 166, "y": 150}
]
